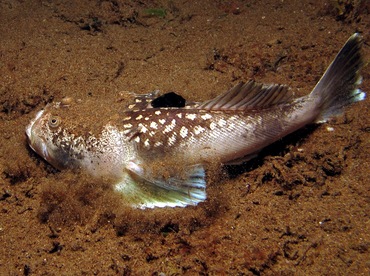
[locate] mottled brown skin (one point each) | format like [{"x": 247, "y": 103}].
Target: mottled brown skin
[{"x": 232, "y": 127}]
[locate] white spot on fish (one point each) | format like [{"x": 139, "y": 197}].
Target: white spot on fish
[
  {"x": 158, "y": 144},
  {"x": 137, "y": 139},
  {"x": 162, "y": 121},
  {"x": 191, "y": 116},
  {"x": 169, "y": 127},
  {"x": 131, "y": 106},
  {"x": 206, "y": 116},
  {"x": 143, "y": 129},
  {"x": 146, "y": 143},
  {"x": 222, "y": 123},
  {"x": 127, "y": 126},
  {"x": 172, "y": 139},
  {"x": 139, "y": 117},
  {"x": 212, "y": 126},
  {"x": 158, "y": 112},
  {"x": 198, "y": 130},
  {"x": 183, "y": 132},
  {"x": 154, "y": 125},
  {"x": 127, "y": 118},
  {"x": 179, "y": 115}
]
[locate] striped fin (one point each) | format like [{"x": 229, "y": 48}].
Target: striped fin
[
  {"x": 141, "y": 101},
  {"x": 142, "y": 190},
  {"x": 248, "y": 96},
  {"x": 338, "y": 87}
]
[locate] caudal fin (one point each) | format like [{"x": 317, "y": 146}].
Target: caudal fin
[{"x": 338, "y": 86}]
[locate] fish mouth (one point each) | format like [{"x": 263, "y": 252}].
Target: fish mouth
[
  {"x": 35, "y": 142},
  {"x": 31, "y": 124},
  {"x": 39, "y": 144}
]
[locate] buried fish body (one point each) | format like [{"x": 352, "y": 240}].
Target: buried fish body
[{"x": 129, "y": 147}]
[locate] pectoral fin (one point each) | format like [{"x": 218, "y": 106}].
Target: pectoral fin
[{"x": 142, "y": 190}]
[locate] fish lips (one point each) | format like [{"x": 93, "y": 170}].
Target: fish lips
[
  {"x": 31, "y": 124},
  {"x": 34, "y": 141},
  {"x": 38, "y": 143}
]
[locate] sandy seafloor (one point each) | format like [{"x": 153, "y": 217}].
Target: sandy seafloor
[{"x": 302, "y": 208}]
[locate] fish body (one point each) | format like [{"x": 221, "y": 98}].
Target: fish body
[{"x": 157, "y": 155}]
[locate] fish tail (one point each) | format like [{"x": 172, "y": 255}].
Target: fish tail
[{"x": 338, "y": 87}]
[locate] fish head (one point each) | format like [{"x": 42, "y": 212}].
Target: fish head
[{"x": 48, "y": 136}]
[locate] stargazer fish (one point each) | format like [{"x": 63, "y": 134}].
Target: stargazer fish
[{"x": 156, "y": 156}]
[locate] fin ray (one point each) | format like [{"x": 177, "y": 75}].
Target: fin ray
[
  {"x": 142, "y": 101},
  {"x": 338, "y": 86},
  {"x": 247, "y": 96},
  {"x": 145, "y": 191}
]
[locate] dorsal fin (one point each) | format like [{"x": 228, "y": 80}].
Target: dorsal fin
[
  {"x": 250, "y": 95},
  {"x": 139, "y": 101}
]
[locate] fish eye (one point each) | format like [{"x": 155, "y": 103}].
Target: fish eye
[{"x": 54, "y": 121}]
